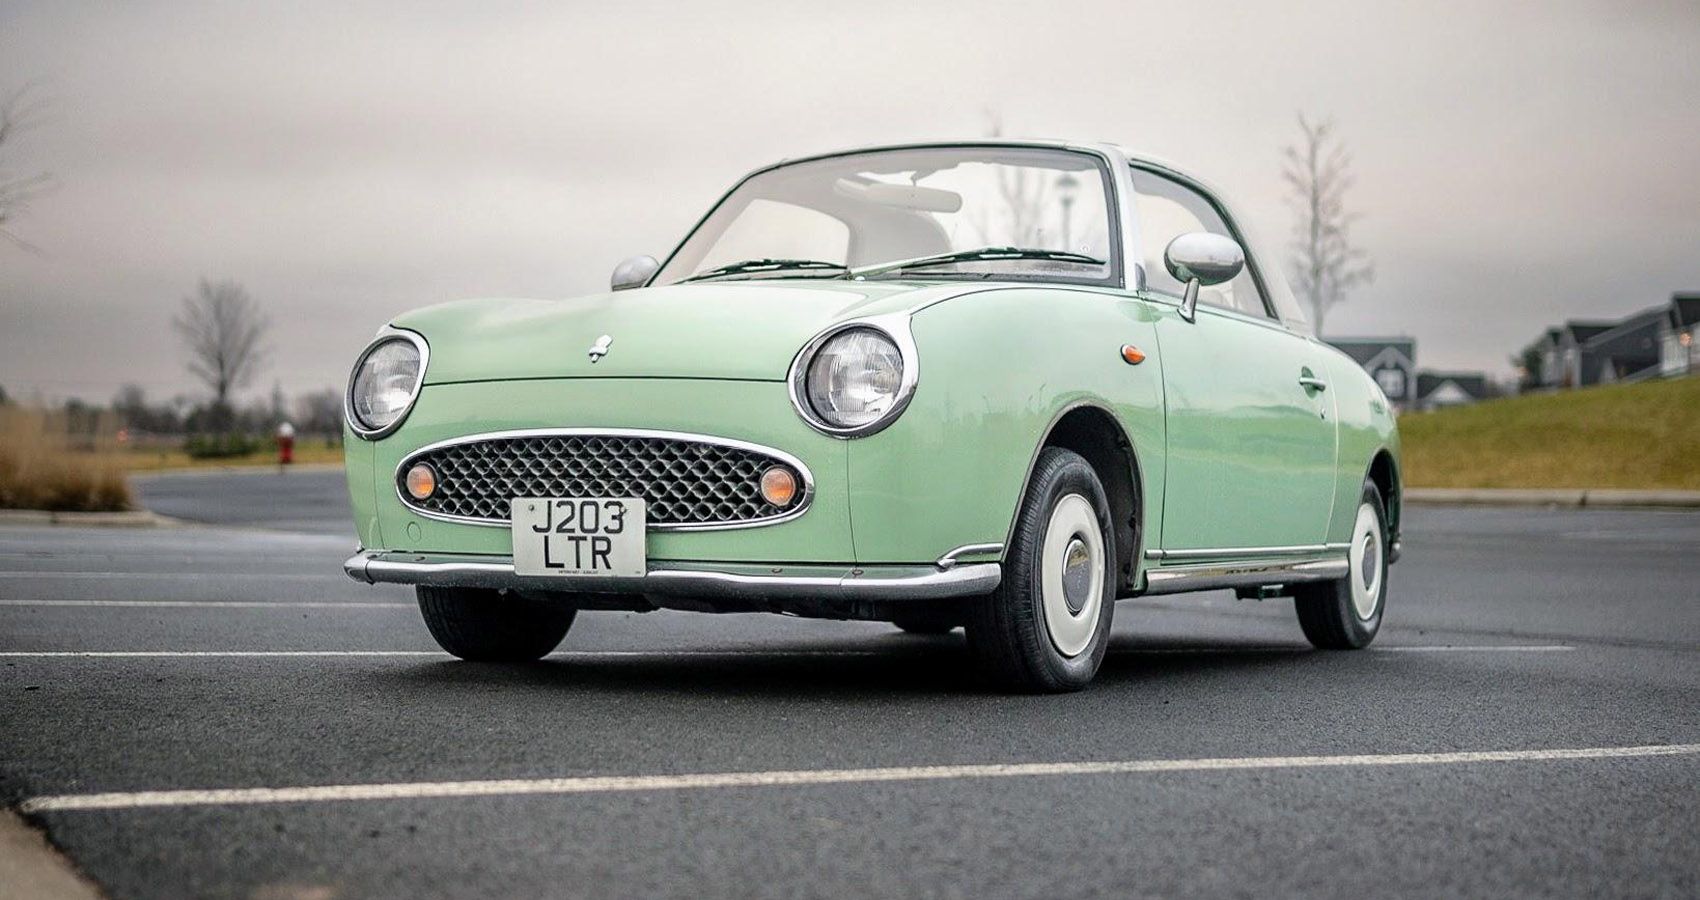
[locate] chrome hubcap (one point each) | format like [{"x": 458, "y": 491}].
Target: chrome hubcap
[
  {"x": 1077, "y": 575},
  {"x": 1365, "y": 559},
  {"x": 1071, "y": 567}
]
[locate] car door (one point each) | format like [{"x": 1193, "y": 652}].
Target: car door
[{"x": 1250, "y": 424}]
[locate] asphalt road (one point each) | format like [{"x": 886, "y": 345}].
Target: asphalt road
[
  {"x": 1528, "y": 631},
  {"x": 312, "y": 500}
]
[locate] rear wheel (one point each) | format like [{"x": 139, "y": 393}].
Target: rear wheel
[
  {"x": 492, "y": 626},
  {"x": 1346, "y": 614},
  {"x": 1047, "y": 626}
]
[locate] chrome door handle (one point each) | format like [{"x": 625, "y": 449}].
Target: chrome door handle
[{"x": 1312, "y": 384}]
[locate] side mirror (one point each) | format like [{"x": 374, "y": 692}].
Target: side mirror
[
  {"x": 1201, "y": 259},
  {"x": 633, "y": 272}
]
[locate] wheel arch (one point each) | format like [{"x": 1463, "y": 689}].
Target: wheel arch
[
  {"x": 1383, "y": 472},
  {"x": 1091, "y": 430}
]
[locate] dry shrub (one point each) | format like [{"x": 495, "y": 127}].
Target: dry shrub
[{"x": 44, "y": 466}]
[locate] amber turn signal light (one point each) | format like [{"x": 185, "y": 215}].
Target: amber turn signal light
[
  {"x": 1132, "y": 355},
  {"x": 778, "y": 486},
  {"x": 421, "y": 481}
]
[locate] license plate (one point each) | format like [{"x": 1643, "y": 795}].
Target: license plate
[{"x": 578, "y": 536}]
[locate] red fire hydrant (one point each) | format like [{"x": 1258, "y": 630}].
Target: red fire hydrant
[{"x": 285, "y": 444}]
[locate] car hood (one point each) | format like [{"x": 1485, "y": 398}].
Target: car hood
[{"x": 729, "y": 330}]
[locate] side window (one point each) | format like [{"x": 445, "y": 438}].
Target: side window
[{"x": 1168, "y": 209}]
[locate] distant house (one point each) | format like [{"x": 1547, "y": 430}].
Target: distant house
[
  {"x": 1629, "y": 351},
  {"x": 1649, "y": 344},
  {"x": 1679, "y": 333},
  {"x": 1438, "y": 389},
  {"x": 1571, "y": 367},
  {"x": 1392, "y": 362}
]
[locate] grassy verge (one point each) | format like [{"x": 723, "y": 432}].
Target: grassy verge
[
  {"x": 40, "y": 469},
  {"x": 1620, "y": 436}
]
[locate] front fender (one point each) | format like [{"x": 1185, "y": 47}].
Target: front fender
[
  {"x": 997, "y": 369},
  {"x": 1366, "y": 427}
]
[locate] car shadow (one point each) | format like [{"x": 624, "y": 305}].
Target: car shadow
[{"x": 899, "y": 665}]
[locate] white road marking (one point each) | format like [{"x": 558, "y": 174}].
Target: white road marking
[
  {"x": 192, "y": 654},
  {"x": 216, "y": 604},
  {"x": 565, "y": 654},
  {"x": 1468, "y": 648},
  {"x": 674, "y": 654},
  {"x": 795, "y": 778}
]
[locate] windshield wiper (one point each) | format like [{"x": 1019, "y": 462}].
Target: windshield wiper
[
  {"x": 977, "y": 255},
  {"x": 748, "y": 266}
]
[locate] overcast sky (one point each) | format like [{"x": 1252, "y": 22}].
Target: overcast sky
[{"x": 1516, "y": 165}]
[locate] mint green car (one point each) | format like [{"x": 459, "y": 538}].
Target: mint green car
[{"x": 990, "y": 384}]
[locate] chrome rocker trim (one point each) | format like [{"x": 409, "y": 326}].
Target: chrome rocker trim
[
  {"x": 1244, "y": 552},
  {"x": 1176, "y": 579},
  {"x": 796, "y": 509},
  {"x": 686, "y": 580}
]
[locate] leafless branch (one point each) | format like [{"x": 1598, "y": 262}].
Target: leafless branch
[
  {"x": 1023, "y": 199},
  {"x": 18, "y": 112},
  {"x": 1326, "y": 264},
  {"x": 222, "y": 330}
]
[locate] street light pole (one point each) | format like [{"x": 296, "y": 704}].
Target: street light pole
[{"x": 1067, "y": 187}]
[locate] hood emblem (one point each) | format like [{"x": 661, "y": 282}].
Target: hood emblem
[{"x": 600, "y": 348}]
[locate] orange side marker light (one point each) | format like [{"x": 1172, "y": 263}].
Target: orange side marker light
[{"x": 1132, "y": 355}]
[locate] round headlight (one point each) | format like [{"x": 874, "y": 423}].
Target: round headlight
[
  {"x": 385, "y": 382},
  {"x": 854, "y": 379}
]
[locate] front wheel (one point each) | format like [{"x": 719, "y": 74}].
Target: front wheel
[
  {"x": 1047, "y": 626},
  {"x": 1346, "y": 614},
  {"x": 492, "y": 626}
]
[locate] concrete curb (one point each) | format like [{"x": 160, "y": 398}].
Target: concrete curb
[
  {"x": 130, "y": 518},
  {"x": 1597, "y": 497}
]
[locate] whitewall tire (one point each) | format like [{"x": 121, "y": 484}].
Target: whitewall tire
[
  {"x": 1346, "y": 614},
  {"x": 1047, "y": 627}
]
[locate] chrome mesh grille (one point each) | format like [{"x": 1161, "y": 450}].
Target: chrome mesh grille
[{"x": 685, "y": 482}]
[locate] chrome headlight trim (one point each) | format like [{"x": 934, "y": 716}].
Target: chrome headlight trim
[
  {"x": 895, "y": 328},
  {"x": 385, "y": 335}
]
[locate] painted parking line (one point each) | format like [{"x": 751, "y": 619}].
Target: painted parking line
[
  {"x": 420, "y": 790},
  {"x": 675, "y": 654},
  {"x": 1478, "y": 648},
  {"x": 215, "y": 604},
  {"x": 565, "y": 654}
]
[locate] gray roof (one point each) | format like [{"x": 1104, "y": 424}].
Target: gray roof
[
  {"x": 1362, "y": 350},
  {"x": 1685, "y": 310},
  {"x": 1634, "y": 335},
  {"x": 1581, "y": 332},
  {"x": 1473, "y": 383}
]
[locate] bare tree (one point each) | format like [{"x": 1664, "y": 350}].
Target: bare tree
[
  {"x": 320, "y": 412},
  {"x": 1326, "y": 265},
  {"x": 222, "y": 329},
  {"x": 17, "y": 112},
  {"x": 1023, "y": 199}
]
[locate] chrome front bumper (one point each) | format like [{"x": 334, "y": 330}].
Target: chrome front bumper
[{"x": 688, "y": 580}]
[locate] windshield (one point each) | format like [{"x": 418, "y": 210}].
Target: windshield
[{"x": 1024, "y": 214}]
